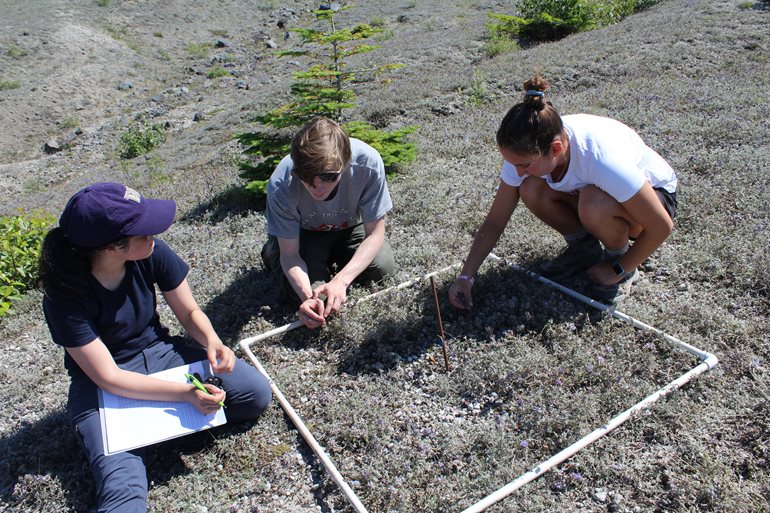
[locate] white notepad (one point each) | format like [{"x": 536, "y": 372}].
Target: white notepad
[{"x": 131, "y": 423}]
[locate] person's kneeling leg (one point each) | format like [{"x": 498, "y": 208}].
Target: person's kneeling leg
[{"x": 383, "y": 264}]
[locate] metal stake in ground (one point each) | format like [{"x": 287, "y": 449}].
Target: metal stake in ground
[{"x": 440, "y": 324}]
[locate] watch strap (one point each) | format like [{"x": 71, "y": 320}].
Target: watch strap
[{"x": 618, "y": 268}]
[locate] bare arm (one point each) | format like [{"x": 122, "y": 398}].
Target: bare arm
[
  {"x": 645, "y": 207},
  {"x": 487, "y": 235},
  {"x": 294, "y": 267},
  {"x": 336, "y": 290},
  {"x": 198, "y": 326},
  {"x": 96, "y": 361}
]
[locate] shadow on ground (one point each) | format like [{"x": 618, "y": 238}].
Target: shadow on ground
[
  {"x": 255, "y": 293},
  {"x": 406, "y": 328},
  {"x": 233, "y": 201},
  {"x": 46, "y": 455}
]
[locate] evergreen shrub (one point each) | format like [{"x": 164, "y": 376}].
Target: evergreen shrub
[{"x": 323, "y": 89}]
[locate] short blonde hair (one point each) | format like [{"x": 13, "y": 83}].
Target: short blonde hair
[{"x": 320, "y": 146}]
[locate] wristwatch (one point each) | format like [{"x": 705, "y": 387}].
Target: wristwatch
[{"x": 618, "y": 268}]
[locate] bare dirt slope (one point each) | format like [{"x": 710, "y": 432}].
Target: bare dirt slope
[{"x": 95, "y": 70}]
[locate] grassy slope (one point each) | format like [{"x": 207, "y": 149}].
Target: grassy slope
[{"x": 530, "y": 368}]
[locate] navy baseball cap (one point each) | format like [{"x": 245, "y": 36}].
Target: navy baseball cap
[{"x": 106, "y": 212}]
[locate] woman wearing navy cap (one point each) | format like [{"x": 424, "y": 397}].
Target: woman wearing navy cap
[{"x": 99, "y": 269}]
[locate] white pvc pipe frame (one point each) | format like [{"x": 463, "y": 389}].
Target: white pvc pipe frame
[{"x": 708, "y": 361}]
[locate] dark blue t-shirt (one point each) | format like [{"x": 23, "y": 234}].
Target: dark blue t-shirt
[{"x": 125, "y": 319}]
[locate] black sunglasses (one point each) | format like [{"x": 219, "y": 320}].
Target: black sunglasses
[
  {"x": 330, "y": 177},
  {"x": 211, "y": 380}
]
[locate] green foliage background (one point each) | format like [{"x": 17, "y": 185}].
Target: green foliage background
[
  {"x": 21, "y": 237},
  {"x": 550, "y": 20}
]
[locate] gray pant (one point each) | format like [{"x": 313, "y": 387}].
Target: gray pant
[{"x": 322, "y": 252}]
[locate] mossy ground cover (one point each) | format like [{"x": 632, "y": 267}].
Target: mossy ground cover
[{"x": 531, "y": 369}]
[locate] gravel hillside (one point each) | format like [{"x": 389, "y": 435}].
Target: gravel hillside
[{"x": 532, "y": 371}]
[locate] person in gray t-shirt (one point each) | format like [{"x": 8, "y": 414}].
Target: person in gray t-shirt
[{"x": 326, "y": 206}]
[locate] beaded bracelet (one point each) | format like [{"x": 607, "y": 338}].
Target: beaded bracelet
[{"x": 465, "y": 277}]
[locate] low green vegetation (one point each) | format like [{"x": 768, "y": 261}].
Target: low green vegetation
[
  {"x": 216, "y": 72},
  {"x": 140, "y": 139},
  {"x": 69, "y": 123},
  {"x": 20, "y": 239},
  {"x": 550, "y": 20},
  {"x": 17, "y": 52},
  {"x": 498, "y": 41},
  {"x": 197, "y": 50},
  {"x": 325, "y": 89},
  {"x": 378, "y": 22},
  {"x": 117, "y": 33},
  {"x": 103, "y": 3},
  {"x": 6, "y": 85},
  {"x": 477, "y": 94},
  {"x": 156, "y": 169}
]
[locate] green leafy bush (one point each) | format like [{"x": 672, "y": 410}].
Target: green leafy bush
[
  {"x": 140, "y": 139},
  {"x": 197, "y": 50},
  {"x": 270, "y": 148},
  {"x": 324, "y": 89},
  {"x": 16, "y": 51},
  {"x": 550, "y": 20},
  {"x": 21, "y": 237}
]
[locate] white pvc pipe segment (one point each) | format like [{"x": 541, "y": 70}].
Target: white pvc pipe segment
[
  {"x": 702, "y": 355},
  {"x": 289, "y": 410},
  {"x": 708, "y": 361},
  {"x": 570, "y": 451},
  {"x": 306, "y": 434},
  {"x": 296, "y": 324}
]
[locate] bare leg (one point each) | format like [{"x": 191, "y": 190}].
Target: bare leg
[
  {"x": 603, "y": 216},
  {"x": 560, "y": 211},
  {"x": 556, "y": 209}
]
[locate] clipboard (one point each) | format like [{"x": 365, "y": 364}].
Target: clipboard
[{"x": 132, "y": 423}]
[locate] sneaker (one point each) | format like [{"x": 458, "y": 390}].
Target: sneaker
[
  {"x": 613, "y": 294},
  {"x": 576, "y": 257}
]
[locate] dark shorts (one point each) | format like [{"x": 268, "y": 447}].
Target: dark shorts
[{"x": 668, "y": 199}]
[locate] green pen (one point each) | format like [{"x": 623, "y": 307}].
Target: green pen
[{"x": 200, "y": 386}]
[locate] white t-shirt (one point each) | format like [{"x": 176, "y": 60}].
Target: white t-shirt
[
  {"x": 608, "y": 154},
  {"x": 362, "y": 196}
]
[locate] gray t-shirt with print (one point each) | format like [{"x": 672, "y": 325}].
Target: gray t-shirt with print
[{"x": 361, "y": 196}]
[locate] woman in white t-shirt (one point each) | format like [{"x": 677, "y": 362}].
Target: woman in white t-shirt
[{"x": 592, "y": 179}]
